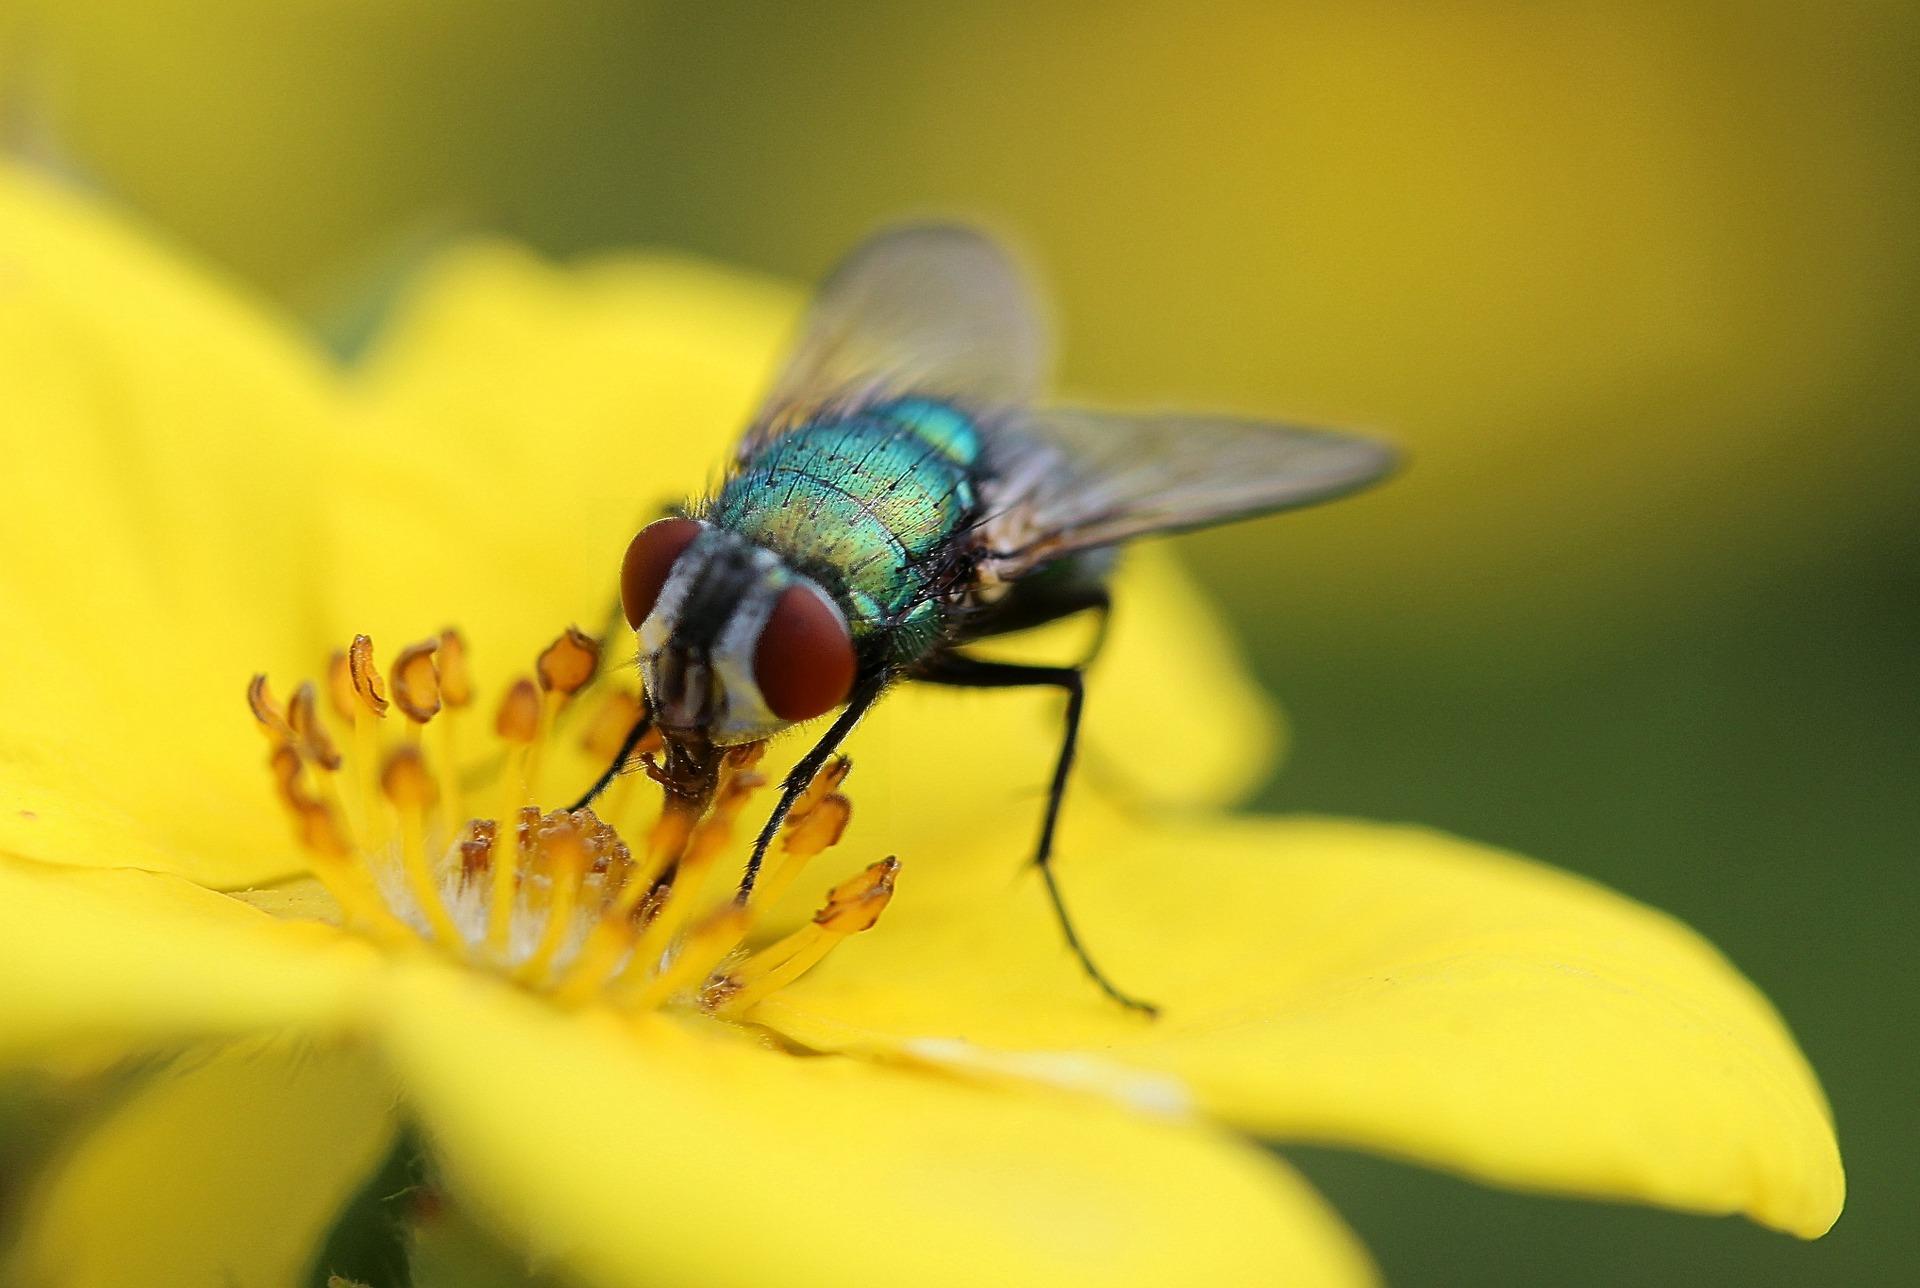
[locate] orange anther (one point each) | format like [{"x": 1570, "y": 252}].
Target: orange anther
[
  {"x": 340, "y": 694},
  {"x": 272, "y": 720},
  {"x": 611, "y": 724},
  {"x": 303, "y": 715},
  {"x": 285, "y": 764},
  {"x": 609, "y": 851},
  {"x": 367, "y": 684},
  {"x": 855, "y": 904},
  {"x": 819, "y": 828},
  {"x": 416, "y": 682},
  {"x": 406, "y": 781},
  {"x": 560, "y": 846},
  {"x": 524, "y": 823},
  {"x": 569, "y": 662},
  {"x": 519, "y": 718},
  {"x": 320, "y": 830},
  {"x": 825, "y": 782},
  {"x": 456, "y": 677},
  {"x": 476, "y": 848}
]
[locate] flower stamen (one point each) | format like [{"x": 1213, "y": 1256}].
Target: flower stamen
[
  {"x": 455, "y": 681},
  {"x": 564, "y": 668},
  {"x": 553, "y": 900},
  {"x": 852, "y": 906},
  {"x": 317, "y": 823},
  {"x": 518, "y": 725},
  {"x": 687, "y": 873},
  {"x": 606, "y": 733},
  {"x": 408, "y": 786},
  {"x": 816, "y": 822}
]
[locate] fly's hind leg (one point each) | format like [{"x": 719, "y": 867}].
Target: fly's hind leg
[{"x": 956, "y": 670}]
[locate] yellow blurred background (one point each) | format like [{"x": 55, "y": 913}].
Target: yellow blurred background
[{"x": 1633, "y": 283}]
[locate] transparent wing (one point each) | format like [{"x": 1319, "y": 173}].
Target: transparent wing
[
  {"x": 935, "y": 309},
  {"x": 1071, "y": 480}
]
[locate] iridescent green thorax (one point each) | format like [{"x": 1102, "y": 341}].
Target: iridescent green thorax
[{"x": 863, "y": 502}]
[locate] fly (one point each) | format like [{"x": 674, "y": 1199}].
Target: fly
[{"x": 902, "y": 494}]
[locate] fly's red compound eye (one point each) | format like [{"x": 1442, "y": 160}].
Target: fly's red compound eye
[
  {"x": 649, "y": 562},
  {"x": 804, "y": 662}
]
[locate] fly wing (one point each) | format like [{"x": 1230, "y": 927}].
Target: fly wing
[
  {"x": 1072, "y": 480},
  {"x": 933, "y": 309}
]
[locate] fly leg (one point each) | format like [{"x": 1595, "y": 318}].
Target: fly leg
[
  {"x": 956, "y": 670},
  {"x": 641, "y": 725},
  {"x": 801, "y": 776}
]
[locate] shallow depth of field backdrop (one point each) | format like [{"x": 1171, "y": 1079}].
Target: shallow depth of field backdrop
[{"x": 1635, "y": 284}]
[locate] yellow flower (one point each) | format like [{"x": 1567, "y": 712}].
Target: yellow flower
[{"x": 941, "y": 1100}]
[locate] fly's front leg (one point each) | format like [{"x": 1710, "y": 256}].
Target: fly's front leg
[
  {"x": 642, "y": 725},
  {"x": 956, "y": 670},
  {"x": 801, "y": 776}
]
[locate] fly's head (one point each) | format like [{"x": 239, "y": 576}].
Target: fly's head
[{"x": 734, "y": 645}]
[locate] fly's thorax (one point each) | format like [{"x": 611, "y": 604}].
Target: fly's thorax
[
  {"x": 704, "y": 642},
  {"x": 880, "y": 499}
]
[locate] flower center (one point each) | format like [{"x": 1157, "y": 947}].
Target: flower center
[{"x": 425, "y": 830}]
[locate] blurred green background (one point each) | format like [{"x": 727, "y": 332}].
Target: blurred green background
[{"x": 1634, "y": 283}]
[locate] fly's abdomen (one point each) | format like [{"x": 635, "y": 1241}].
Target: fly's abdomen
[{"x": 868, "y": 500}]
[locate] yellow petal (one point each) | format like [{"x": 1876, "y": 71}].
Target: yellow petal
[
  {"x": 128, "y": 959},
  {"x": 519, "y": 423},
  {"x": 159, "y": 539},
  {"x": 651, "y": 1154},
  {"x": 227, "y": 1169},
  {"x": 1384, "y": 987},
  {"x": 1173, "y": 715}
]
